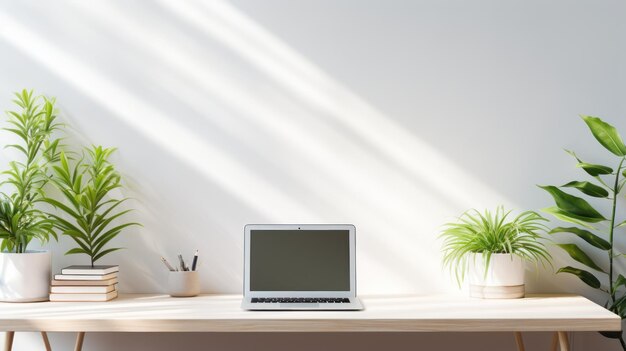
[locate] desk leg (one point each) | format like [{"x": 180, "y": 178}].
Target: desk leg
[
  {"x": 8, "y": 341},
  {"x": 555, "y": 342},
  {"x": 563, "y": 341},
  {"x": 79, "y": 341},
  {"x": 46, "y": 342},
  {"x": 519, "y": 341}
]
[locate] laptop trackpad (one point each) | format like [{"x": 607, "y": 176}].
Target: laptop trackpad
[{"x": 299, "y": 305}]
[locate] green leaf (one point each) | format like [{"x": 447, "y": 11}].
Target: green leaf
[
  {"x": 623, "y": 224},
  {"x": 579, "y": 255},
  {"x": 606, "y": 135},
  {"x": 591, "y": 169},
  {"x": 573, "y": 204},
  {"x": 76, "y": 250},
  {"x": 620, "y": 186},
  {"x": 588, "y": 188},
  {"x": 619, "y": 282},
  {"x": 18, "y": 147},
  {"x": 595, "y": 170},
  {"x": 103, "y": 223},
  {"x": 65, "y": 225},
  {"x": 62, "y": 206},
  {"x": 585, "y": 235},
  {"x": 619, "y": 306},
  {"x": 570, "y": 218},
  {"x": 103, "y": 238},
  {"x": 583, "y": 275},
  {"x": 105, "y": 252}
]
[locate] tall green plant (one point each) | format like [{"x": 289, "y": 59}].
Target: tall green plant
[
  {"x": 90, "y": 211},
  {"x": 20, "y": 220},
  {"x": 578, "y": 211}
]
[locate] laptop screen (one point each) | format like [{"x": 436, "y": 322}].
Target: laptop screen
[{"x": 299, "y": 260}]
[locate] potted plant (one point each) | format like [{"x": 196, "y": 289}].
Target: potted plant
[
  {"x": 492, "y": 250},
  {"x": 25, "y": 274},
  {"x": 90, "y": 214},
  {"x": 596, "y": 230}
]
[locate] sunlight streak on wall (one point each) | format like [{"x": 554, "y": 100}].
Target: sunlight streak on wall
[
  {"x": 225, "y": 23},
  {"x": 150, "y": 122},
  {"x": 355, "y": 184},
  {"x": 386, "y": 198},
  {"x": 370, "y": 171}
]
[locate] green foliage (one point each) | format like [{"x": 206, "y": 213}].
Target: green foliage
[
  {"x": 573, "y": 209},
  {"x": 93, "y": 214},
  {"x": 20, "y": 220},
  {"x": 585, "y": 235},
  {"x": 573, "y": 205},
  {"x": 591, "y": 169},
  {"x": 588, "y": 188},
  {"x": 491, "y": 233},
  {"x": 579, "y": 255},
  {"x": 606, "y": 135},
  {"x": 585, "y": 276}
]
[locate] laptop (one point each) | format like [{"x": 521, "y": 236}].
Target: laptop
[{"x": 300, "y": 267}]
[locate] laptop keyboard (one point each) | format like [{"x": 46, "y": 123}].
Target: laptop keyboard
[{"x": 300, "y": 300}]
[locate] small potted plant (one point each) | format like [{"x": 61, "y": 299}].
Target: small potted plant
[
  {"x": 491, "y": 250},
  {"x": 89, "y": 215},
  {"x": 25, "y": 274}
]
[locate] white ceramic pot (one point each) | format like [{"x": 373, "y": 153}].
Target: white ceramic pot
[
  {"x": 503, "y": 278},
  {"x": 25, "y": 277},
  {"x": 184, "y": 283}
]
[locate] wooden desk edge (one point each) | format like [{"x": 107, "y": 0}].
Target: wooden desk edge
[
  {"x": 308, "y": 325},
  {"x": 605, "y": 322}
]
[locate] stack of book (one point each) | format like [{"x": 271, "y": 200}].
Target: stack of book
[{"x": 85, "y": 283}]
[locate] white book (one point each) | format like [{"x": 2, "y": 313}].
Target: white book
[
  {"x": 84, "y": 297},
  {"x": 84, "y": 282},
  {"x": 85, "y": 276},
  {"x": 82, "y": 289},
  {"x": 88, "y": 270}
]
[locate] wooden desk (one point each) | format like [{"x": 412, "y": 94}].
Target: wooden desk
[{"x": 221, "y": 313}]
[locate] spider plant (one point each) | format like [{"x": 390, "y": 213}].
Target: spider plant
[
  {"x": 20, "y": 220},
  {"x": 491, "y": 233},
  {"x": 90, "y": 212}
]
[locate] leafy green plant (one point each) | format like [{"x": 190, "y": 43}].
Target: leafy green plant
[
  {"x": 491, "y": 233},
  {"x": 20, "y": 220},
  {"x": 91, "y": 212},
  {"x": 578, "y": 211}
]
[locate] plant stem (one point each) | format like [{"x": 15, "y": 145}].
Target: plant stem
[{"x": 612, "y": 229}]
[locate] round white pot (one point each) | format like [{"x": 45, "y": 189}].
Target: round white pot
[
  {"x": 184, "y": 283},
  {"x": 504, "y": 277},
  {"x": 25, "y": 277}
]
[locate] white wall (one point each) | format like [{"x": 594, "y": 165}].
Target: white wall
[{"x": 392, "y": 115}]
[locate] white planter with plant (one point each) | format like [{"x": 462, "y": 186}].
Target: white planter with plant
[
  {"x": 25, "y": 277},
  {"x": 504, "y": 270},
  {"x": 492, "y": 251},
  {"x": 24, "y": 274}
]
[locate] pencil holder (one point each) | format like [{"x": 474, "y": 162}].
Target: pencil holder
[{"x": 184, "y": 284}]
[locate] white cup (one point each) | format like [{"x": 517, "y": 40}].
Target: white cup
[{"x": 184, "y": 284}]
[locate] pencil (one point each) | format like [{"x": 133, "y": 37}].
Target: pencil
[
  {"x": 195, "y": 261},
  {"x": 167, "y": 264}
]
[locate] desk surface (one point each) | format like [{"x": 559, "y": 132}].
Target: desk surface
[{"x": 221, "y": 313}]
